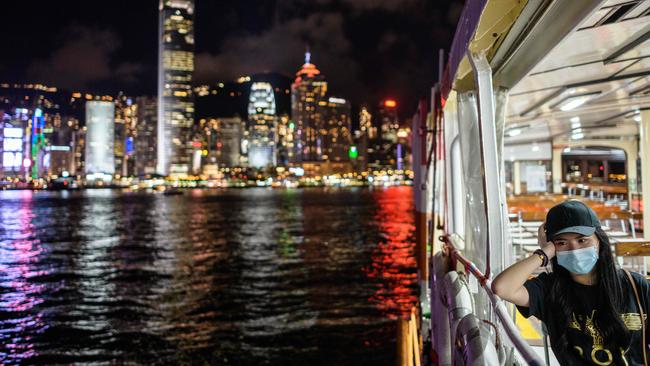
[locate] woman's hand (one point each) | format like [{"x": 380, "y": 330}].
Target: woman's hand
[{"x": 547, "y": 246}]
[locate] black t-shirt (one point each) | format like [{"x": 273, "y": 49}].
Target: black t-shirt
[{"x": 585, "y": 341}]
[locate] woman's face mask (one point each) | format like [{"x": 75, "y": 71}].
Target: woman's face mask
[{"x": 579, "y": 261}]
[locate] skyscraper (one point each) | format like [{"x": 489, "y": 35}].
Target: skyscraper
[
  {"x": 126, "y": 120},
  {"x": 100, "y": 124},
  {"x": 337, "y": 136},
  {"x": 285, "y": 146},
  {"x": 308, "y": 93},
  {"x": 145, "y": 143},
  {"x": 175, "y": 98},
  {"x": 384, "y": 151},
  {"x": 262, "y": 123},
  {"x": 365, "y": 135}
]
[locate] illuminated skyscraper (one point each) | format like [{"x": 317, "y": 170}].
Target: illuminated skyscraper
[
  {"x": 337, "y": 137},
  {"x": 307, "y": 97},
  {"x": 261, "y": 127},
  {"x": 100, "y": 128},
  {"x": 384, "y": 151},
  {"x": 175, "y": 98}
]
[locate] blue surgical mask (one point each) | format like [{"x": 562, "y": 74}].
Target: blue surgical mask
[{"x": 579, "y": 261}]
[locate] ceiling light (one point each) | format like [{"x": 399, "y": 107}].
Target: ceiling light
[
  {"x": 515, "y": 132},
  {"x": 637, "y": 118},
  {"x": 575, "y": 119},
  {"x": 577, "y": 136},
  {"x": 573, "y": 103}
]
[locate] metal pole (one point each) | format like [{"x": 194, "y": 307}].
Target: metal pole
[{"x": 494, "y": 205}]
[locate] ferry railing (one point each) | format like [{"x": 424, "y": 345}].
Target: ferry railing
[
  {"x": 409, "y": 341},
  {"x": 520, "y": 344}
]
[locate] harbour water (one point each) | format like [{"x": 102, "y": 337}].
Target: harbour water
[{"x": 242, "y": 277}]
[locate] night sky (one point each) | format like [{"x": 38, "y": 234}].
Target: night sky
[{"x": 367, "y": 49}]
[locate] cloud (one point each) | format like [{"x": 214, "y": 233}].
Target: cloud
[
  {"x": 83, "y": 60},
  {"x": 367, "y": 49},
  {"x": 281, "y": 49},
  {"x": 128, "y": 72}
]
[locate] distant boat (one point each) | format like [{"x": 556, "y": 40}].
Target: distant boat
[
  {"x": 172, "y": 192},
  {"x": 63, "y": 184}
]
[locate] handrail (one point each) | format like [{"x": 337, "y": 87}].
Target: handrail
[{"x": 510, "y": 328}]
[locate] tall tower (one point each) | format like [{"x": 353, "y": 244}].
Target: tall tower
[
  {"x": 262, "y": 123},
  {"x": 175, "y": 99},
  {"x": 307, "y": 99}
]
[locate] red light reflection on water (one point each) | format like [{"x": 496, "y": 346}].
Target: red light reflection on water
[
  {"x": 19, "y": 251},
  {"x": 393, "y": 261}
]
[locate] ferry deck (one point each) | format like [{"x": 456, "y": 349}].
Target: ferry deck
[{"x": 539, "y": 101}]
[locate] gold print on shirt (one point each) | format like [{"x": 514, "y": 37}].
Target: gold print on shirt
[
  {"x": 633, "y": 320},
  {"x": 580, "y": 351},
  {"x": 599, "y": 354},
  {"x": 623, "y": 356},
  {"x": 574, "y": 323}
]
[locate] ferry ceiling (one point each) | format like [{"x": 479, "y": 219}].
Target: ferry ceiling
[{"x": 574, "y": 71}]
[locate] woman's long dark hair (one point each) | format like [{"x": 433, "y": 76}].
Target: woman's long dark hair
[{"x": 609, "y": 304}]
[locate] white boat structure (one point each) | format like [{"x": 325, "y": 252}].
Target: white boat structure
[{"x": 531, "y": 94}]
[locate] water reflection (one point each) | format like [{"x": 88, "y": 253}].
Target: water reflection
[
  {"x": 19, "y": 256},
  {"x": 254, "y": 276},
  {"x": 393, "y": 260}
]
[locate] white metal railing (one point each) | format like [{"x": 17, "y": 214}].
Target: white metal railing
[{"x": 511, "y": 330}]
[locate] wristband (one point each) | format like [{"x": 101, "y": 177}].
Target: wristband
[{"x": 542, "y": 256}]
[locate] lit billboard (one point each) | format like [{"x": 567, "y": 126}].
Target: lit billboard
[{"x": 12, "y": 148}]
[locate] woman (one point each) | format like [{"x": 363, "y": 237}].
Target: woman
[{"x": 588, "y": 305}]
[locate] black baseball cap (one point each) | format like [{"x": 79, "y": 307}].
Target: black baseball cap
[{"x": 571, "y": 216}]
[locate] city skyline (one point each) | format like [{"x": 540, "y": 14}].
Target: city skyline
[
  {"x": 120, "y": 136},
  {"x": 352, "y": 42}
]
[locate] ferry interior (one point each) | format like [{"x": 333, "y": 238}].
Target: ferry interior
[{"x": 539, "y": 101}]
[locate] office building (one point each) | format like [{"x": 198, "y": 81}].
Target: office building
[
  {"x": 285, "y": 149},
  {"x": 126, "y": 121},
  {"x": 175, "y": 97},
  {"x": 261, "y": 127},
  {"x": 336, "y": 135},
  {"x": 308, "y": 93},
  {"x": 146, "y": 135}
]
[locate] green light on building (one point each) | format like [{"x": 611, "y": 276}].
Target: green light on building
[{"x": 353, "y": 153}]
